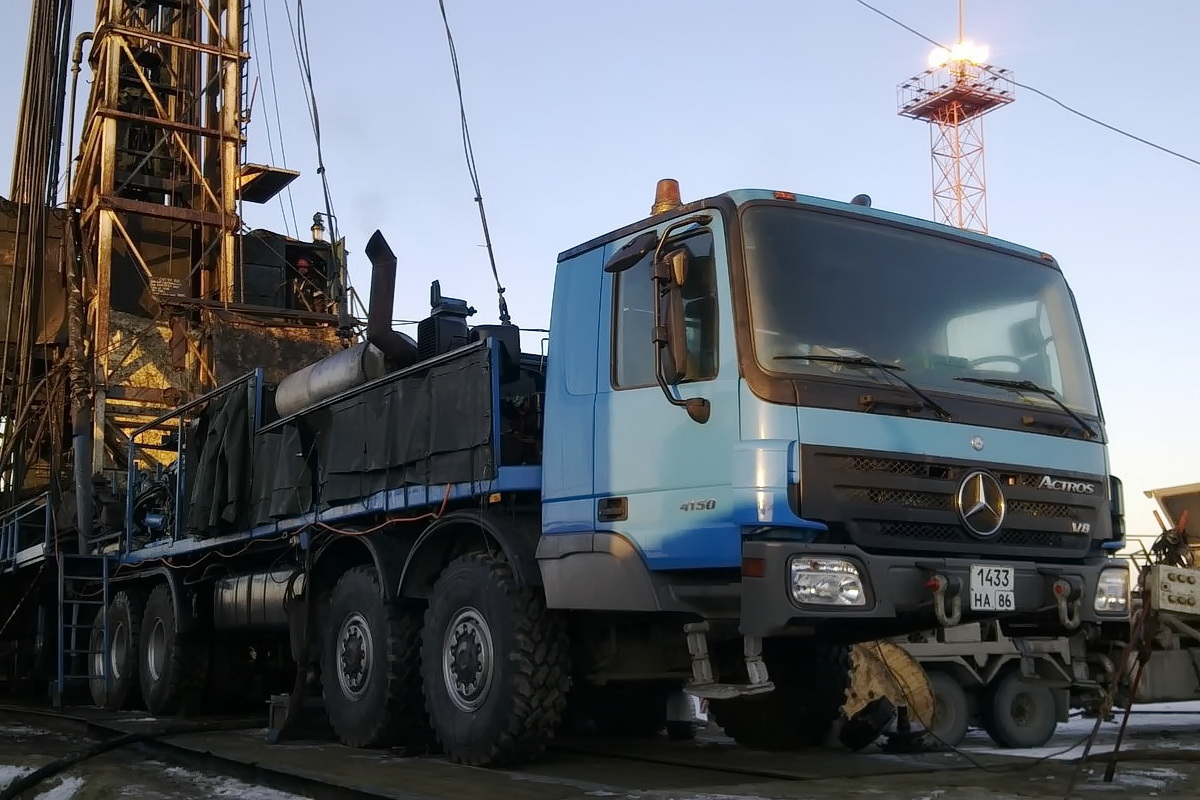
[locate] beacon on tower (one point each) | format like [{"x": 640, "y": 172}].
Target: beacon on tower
[{"x": 952, "y": 95}]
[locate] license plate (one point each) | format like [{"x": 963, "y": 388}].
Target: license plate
[{"x": 992, "y": 588}]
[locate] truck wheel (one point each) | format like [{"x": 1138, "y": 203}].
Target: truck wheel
[
  {"x": 951, "y": 712},
  {"x": 370, "y": 676},
  {"x": 124, "y": 631},
  {"x": 172, "y": 665},
  {"x": 811, "y": 681},
  {"x": 495, "y": 664},
  {"x": 1017, "y": 714}
]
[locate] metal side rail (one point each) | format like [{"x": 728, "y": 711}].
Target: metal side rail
[{"x": 25, "y": 534}]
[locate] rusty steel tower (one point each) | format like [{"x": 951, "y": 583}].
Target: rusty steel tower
[
  {"x": 139, "y": 287},
  {"x": 952, "y": 95}
]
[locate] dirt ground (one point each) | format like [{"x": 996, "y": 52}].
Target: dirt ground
[{"x": 1163, "y": 747}]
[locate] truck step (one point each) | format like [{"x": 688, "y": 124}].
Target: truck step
[{"x": 728, "y": 691}]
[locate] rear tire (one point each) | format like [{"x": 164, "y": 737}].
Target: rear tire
[
  {"x": 494, "y": 662},
  {"x": 172, "y": 665},
  {"x": 952, "y": 711},
  {"x": 370, "y": 670},
  {"x": 124, "y": 628},
  {"x": 811, "y": 681},
  {"x": 1017, "y": 714}
]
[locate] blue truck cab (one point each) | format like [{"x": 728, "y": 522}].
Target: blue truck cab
[{"x": 794, "y": 416}]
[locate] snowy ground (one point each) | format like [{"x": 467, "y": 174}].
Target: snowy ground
[{"x": 1164, "y": 733}]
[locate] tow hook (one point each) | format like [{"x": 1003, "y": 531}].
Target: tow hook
[
  {"x": 942, "y": 587},
  {"x": 1068, "y": 595}
]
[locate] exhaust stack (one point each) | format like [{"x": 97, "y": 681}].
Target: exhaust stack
[
  {"x": 399, "y": 349},
  {"x": 384, "y": 351}
]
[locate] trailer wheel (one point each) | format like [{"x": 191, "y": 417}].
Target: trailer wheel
[
  {"x": 370, "y": 671},
  {"x": 952, "y": 712},
  {"x": 172, "y": 665},
  {"x": 811, "y": 681},
  {"x": 495, "y": 664},
  {"x": 124, "y": 630},
  {"x": 1017, "y": 714}
]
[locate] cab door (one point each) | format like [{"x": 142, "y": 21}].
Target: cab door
[{"x": 663, "y": 480}]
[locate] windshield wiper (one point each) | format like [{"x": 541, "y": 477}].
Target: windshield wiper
[
  {"x": 1030, "y": 386},
  {"x": 889, "y": 369}
]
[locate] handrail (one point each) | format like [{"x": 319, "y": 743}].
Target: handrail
[
  {"x": 10, "y": 527},
  {"x": 253, "y": 378}
]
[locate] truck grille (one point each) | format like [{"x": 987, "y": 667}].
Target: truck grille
[{"x": 896, "y": 503}]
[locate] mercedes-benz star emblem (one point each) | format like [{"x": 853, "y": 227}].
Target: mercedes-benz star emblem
[{"x": 981, "y": 503}]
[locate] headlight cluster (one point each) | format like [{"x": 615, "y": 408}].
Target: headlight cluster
[
  {"x": 826, "y": 581},
  {"x": 1112, "y": 591}
]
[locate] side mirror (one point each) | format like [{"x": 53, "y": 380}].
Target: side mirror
[
  {"x": 633, "y": 252},
  {"x": 670, "y": 335}
]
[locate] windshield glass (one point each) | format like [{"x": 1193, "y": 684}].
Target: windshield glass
[{"x": 939, "y": 308}]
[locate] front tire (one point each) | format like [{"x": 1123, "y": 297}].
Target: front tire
[
  {"x": 121, "y": 659},
  {"x": 811, "y": 681},
  {"x": 370, "y": 676},
  {"x": 494, "y": 662},
  {"x": 1017, "y": 714}
]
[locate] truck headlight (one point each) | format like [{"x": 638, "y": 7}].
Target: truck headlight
[
  {"x": 826, "y": 581},
  {"x": 1112, "y": 591}
]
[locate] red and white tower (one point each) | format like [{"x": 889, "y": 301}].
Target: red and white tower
[{"x": 952, "y": 95}]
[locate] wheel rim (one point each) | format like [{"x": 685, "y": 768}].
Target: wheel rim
[
  {"x": 97, "y": 659},
  {"x": 468, "y": 659},
  {"x": 1022, "y": 709},
  {"x": 118, "y": 650},
  {"x": 355, "y": 650},
  {"x": 156, "y": 655}
]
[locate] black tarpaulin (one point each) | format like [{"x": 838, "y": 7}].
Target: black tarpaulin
[
  {"x": 220, "y": 489},
  {"x": 430, "y": 428}
]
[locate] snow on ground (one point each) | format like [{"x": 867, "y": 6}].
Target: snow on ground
[
  {"x": 9, "y": 774},
  {"x": 225, "y": 787},
  {"x": 1160, "y": 725},
  {"x": 64, "y": 791}
]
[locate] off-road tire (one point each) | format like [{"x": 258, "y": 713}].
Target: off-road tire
[
  {"x": 811, "y": 682},
  {"x": 1017, "y": 714},
  {"x": 390, "y": 711},
  {"x": 124, "y": 619},
  {"x": 519, "y": 711},
  {"x": 180, "y": 659},
  {"x": 952, "y": 710}
]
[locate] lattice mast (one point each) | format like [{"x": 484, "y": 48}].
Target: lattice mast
[{"x": 952, "y": 96}]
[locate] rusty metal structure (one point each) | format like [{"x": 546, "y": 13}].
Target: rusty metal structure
[
  {"x": 953, "y": 95},
  {"x": 146, "y": 289}
]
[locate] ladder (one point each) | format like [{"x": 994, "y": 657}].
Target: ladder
[{"x": 83, "y": 584}]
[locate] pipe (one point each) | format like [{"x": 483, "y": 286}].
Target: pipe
[
  {"x": 399, "y": 349},
  {"x": 76, "y": 60}
]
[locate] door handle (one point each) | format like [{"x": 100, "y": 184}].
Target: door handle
[{"x": 612, "y": 509}]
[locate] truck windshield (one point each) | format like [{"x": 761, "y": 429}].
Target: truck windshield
[{"x": 940, "y": 308}]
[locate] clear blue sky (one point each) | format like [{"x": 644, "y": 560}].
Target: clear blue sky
[{"x": 577, "y": 108}]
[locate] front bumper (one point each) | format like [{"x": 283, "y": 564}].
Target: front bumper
[{"x": 899, "y": 599}]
